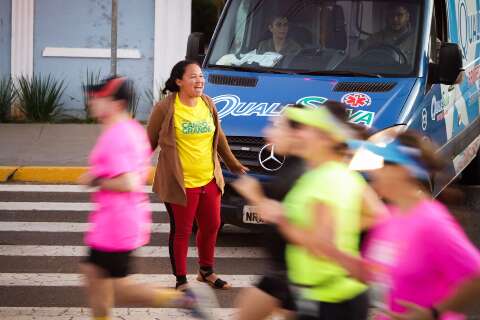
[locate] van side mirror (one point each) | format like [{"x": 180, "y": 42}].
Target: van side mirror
[
  {"x": 450, "y": 65},
  {"x": 196, "y": 47}
]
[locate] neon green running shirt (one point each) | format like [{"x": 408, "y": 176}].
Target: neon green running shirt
[{"x": 334, "y": 185}]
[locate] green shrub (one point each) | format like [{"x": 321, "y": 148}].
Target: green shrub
[
  {"x": 7, "y": 96},
  {"x": 91, "y": 79},
  {"x": 39, "y": 97}
]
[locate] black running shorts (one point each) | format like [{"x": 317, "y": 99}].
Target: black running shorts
[
  {"x": 115, "y": 264},
  {"x": 278, "y": 288}
]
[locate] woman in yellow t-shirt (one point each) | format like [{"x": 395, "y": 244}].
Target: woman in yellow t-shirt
[{"x": 189, "y": 178}]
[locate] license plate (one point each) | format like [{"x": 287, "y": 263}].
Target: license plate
[{"x": 251, "y": 216}]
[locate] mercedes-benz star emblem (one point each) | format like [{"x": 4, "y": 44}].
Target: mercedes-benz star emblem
[{"x": 269, "y": 160}]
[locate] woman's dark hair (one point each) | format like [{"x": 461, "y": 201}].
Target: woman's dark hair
[
  {"x": 177, "y": 72},
  {"x": 292, "y": 123},
  {"x": 428, "y": 157},
  {"x": 340, "y": 112}
]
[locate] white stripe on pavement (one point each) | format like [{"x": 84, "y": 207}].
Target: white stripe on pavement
[
  {"x": 50, "y": 188},
  {"x": 144, "y": 252},
  {"x": 55, "y": 313},
  {"x": 13, "y": 226},
  {"x": 61, "y": 206},
  {"x": 75, "y": 280},
  {"x": 63, "y": 227}
]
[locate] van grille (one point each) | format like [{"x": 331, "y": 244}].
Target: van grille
[
  {"x": 232, "y": 81},
  {"x": 246, "y": 150},
  {"x": 364, "y": 86}
]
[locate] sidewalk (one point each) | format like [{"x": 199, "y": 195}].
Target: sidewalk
[{"x": 45, "y": 153}]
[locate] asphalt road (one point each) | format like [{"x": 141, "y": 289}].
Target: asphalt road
[{"x": 41, "y": 231}]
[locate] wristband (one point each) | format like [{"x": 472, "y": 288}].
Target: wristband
[{"x": 435, "y": 313}]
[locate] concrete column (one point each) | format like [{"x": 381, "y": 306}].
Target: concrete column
[
  {"x": 172, "y": 27},
  {"x": 22, "y": 37}
]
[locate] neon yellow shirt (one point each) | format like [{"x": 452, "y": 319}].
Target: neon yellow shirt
[
  {"x": 194, "y": 129},
  {"x": 334, "y": 185}
]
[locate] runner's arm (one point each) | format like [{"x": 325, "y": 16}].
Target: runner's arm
[
  {"x": 463, "y": 298},
  {"x": 126, "y": 182},
  {"x": 320, "y": 241},
  {"x": 461, "y": 301}
]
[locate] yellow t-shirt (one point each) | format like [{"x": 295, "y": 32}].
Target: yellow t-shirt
[{"x": 194, "y": 129}]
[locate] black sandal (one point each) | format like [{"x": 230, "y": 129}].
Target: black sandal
[
  {"x": 217, "y": 284},
  {"x": 181, "y": 286}
]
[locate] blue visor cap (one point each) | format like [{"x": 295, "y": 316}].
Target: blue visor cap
[{"x": 370, "y": 156}]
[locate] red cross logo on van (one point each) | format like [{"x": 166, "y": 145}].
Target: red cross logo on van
[{"x": 357, "y": 99}]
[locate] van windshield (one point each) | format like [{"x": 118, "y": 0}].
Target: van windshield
[{"x": 374, "y": 37}]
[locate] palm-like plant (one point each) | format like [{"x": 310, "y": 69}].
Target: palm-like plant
[
  {"x": 134, "y": 99},
  {"x": 91, "y": 79},
  {"x": 7, "y": 96},
  {"x": 39, "y": 97},
  {"x": 150, "y": 96}
]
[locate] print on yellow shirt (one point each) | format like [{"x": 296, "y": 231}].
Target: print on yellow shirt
[{"x": 194, "y": 129}]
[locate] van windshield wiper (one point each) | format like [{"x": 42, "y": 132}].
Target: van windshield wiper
[
  {"x": 339, "y": 73},
  {"x": 251, "y": 69}
]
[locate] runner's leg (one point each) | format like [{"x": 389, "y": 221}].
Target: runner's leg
[
  {"x": 128, "y": 292},
  {"x": 254, "y": 304},
  {"x": 99, "y": 290}
]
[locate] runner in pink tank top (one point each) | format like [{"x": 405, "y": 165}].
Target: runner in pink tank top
[{"x": 421, "y": 264}]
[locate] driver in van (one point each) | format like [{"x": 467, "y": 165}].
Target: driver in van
[
  {"x": 279, "y": 43},
  {"x": 399, "y": 32}
]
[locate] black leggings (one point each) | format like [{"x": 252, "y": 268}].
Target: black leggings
[{"x": 354, "y": 309}]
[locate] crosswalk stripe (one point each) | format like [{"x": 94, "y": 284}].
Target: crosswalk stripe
[
  {"x": 63, "y": 227},
  {"x": 13, "y": 226},
  {"x": 61, "y": 206},
  {"x": 75, "y": 280},
  {"x": 51, "y": 188},
  {"x": 144, "y": 252},
  {"x": 56, "y": 313}
]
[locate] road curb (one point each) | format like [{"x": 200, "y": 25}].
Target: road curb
[
  {"x": 46, "y": 174},
  {"x": 6, "y": 172},
  {"x": 68, "y": 175}
]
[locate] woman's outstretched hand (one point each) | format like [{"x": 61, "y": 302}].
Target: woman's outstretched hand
[{"x": 249, "y": 188}]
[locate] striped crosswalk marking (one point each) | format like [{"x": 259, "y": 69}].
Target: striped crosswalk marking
[
  {"x": 61, "y": 206},
  {"x": 11, "y": 313},
  {"x": 82, "y": 227},
  {"x": 50, "y": 188},
  {"x": 36, "y": 233},
  {"x": 75, "y": 280},
  {"x": 144, "y": 252}
]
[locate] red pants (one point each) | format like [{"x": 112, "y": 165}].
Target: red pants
[{"x": 203, "y": 206}]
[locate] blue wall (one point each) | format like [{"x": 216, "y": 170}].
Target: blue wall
[
  {"x": 5, "y": 36},
  {"x": 86, "y": 24}
]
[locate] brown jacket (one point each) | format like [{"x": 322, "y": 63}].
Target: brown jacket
[{"x": 168, "y": 183}]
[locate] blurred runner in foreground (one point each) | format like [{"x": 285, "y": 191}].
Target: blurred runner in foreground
[
  {"x": 272, "y": 291},
  {"x": 421, "y": 264},
  {"x": 120, "y": 164},
  {"x": 325, "y": 205}
]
